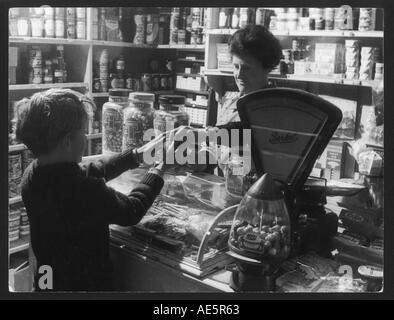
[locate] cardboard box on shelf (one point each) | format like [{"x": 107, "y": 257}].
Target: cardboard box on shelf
[
  {"x": 347, "y": 127},
  {"x": 329, "y": 58}
]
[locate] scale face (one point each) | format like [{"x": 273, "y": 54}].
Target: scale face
[{"x": 290, "y": 129}]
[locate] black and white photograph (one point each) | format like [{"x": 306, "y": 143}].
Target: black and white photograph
[{"x": 196, "y": 149}]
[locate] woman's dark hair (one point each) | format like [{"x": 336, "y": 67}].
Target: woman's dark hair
[
  {"x": 258, "y": 42},
  {"x": 44, "y": 119}
]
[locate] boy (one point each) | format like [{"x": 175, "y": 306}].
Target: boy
[{"x": 69, "y": 205}]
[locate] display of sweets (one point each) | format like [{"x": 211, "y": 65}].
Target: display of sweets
[
  {"x": 171, "y": 114},
  {"x": 267, "y": 240},
  {"x": 112, "y": 120},
  {"x": 138, "y": 118}
]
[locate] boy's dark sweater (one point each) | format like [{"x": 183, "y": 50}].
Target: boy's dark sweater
[{"x": 70, "y": 207}]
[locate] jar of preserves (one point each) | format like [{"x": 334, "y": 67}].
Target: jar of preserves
[
  {"x": 235, "y": 174},
  {"x": 112, "y": 120},
  {"x": 171, "y": 114},
  {"x": 146, "y": 80},
  {"x": 37, "y": 26},
  {"x": 59, "y": 27},
  {"x": 137, "y": 119},
  {"x": 81, "y": 29}
]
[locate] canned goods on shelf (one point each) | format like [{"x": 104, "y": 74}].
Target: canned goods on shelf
[
  {"x": 163, "y": 82},
  {"x": 146, "y": 82},
  {"x": 81, "y": 13},
  {"x": 81, "y": 29},
  {"x": 59, "y": 28},
  {"x": 60, "y": 12},
  {"x": 49, "y": 28}
]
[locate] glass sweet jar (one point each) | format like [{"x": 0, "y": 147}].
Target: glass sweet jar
[
  {"x": 137, "y": 119},
  {"x": 171, "y": 114},
  {"x": 260, "y": 233},
  {"x": 112, "y": 120}
]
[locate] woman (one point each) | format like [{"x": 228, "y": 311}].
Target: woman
[{"x": 255, "y": 53}]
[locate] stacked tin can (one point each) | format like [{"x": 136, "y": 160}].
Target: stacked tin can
[
  {"x": 36, "y": 21},
  {"x": 140, "y": 24},
  {"x": 35, "y": 62},
  {"x": 59, "y": 65},
  {"x": 367, "y": 19},
  {"x": 71, "y": 15},
  {"x": 352, "y": 59},
  {"x": 378, "y": 71},
  {"x": 60, "y": 24},
  {"x": 366, "y": 63},
  {"x": 49, "y": 22},
  {"x": 104, "y": 72},
  {"x": 174, "y": 25},
  {"x": 81, "y": 23},
  {"x": 95, "y": 24}
]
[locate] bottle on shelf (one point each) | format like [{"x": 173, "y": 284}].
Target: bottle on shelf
[
  {"x": 102, "y": 26},
  {"x": 235, "y": 18},
  {"x": 225, "y": 18},
  {"x": 140, "y": 27}
]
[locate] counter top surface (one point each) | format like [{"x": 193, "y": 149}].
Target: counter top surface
[{"x": 292, "y": 279}]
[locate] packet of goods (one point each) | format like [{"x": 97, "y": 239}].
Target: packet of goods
[{"x": 370, "y": 163}]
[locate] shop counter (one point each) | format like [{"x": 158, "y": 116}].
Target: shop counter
[{"x": 148, "y": 261}]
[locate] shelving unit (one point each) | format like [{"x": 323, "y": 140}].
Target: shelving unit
[
  {"x": 189, "y": 47},
  {"x": 193, "y": 91},
  {"x": 45, "y": 86},
  {"x": 191, "y": 60},
  {"x": 55, "y": 41},
  {"x": 192, "y": 75},
  {"x": 309, "y": 33}
]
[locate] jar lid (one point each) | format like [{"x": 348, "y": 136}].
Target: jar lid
[
  {"x": 142, "y": 96},
  {"x": 172, "y": 99},
  {"x": 119, "y": 92}
]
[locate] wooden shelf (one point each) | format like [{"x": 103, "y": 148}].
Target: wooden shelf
[
  {"x": 199, "y": 47},
  {"x": 191, "y": 60},
  {"x": 310, "y": 33},
  {"x": 121, "y": 44},
  {"x": 292, "y": 77},
  {"x": 217, "y": 72},
  {"x": 193, "y": 91},
  {"x": 44, "y": 86},
  {"x": 322, "y": 79},
  {"x": 55, "y": 41},
  {"x": 94, "y": 136},
  {"x": 198, "y": 106},
  {"x": 16, "y": 147},
  {"x": 19, "y": 245},
  {"x": 191, "y": 75},
  {"x": 15, "y": 200}
]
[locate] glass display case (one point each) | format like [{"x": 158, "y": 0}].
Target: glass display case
[{"x": 188, "y": 225}]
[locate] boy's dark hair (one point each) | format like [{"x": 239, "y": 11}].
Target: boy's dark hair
[
  {"x": 259, "y": 42},
  {"x": 45, "y": 118}
]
